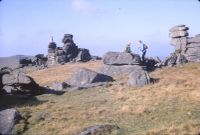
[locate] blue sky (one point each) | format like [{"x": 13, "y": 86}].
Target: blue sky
[{"x": 99, "y": 25}]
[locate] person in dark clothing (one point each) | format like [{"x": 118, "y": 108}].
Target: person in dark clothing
[{"x": 143, "y": 48}]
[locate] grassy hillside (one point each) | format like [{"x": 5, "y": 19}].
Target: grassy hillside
[{"x": 169, "y": 106}]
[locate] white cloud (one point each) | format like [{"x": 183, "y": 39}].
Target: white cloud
[{"x": 83, "y": 6}]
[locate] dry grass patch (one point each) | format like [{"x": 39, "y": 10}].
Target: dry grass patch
[
  {"x": 62, "y": 72},
  {"x": 170, "y": 106}
]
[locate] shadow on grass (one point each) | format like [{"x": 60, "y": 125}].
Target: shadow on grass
[
  {"x": 20, "y": 100},
  {"x": 154, "y": 80}
]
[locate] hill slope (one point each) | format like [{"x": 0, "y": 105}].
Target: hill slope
[
  {"x": 169, "y": 106},
  {"x": 12, "y": 61}
]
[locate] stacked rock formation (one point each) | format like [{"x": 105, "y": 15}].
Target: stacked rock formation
[
  {"x": 187, "y": 49},
  {"x": 178, "y": 36},
  {"x": 51, "y": 53},
  {"x": 120, "y": 63},
  {"x": 69, "y": 52}
]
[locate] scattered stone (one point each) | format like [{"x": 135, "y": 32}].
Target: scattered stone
[
  {"x": 83, "y": 76},
  {"x": 60, "y": 86},
  {"x": 8, "y": 118},
  {"x": 121, "y": 58},
  {"x": 96, "y": 58},
  {"x": 101, "y": 130},
  {"x": 138, "y": 78}
]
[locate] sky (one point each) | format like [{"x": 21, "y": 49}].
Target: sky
[{"x": 26, "y": 26}]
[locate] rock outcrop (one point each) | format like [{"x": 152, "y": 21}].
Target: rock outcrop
[
  {"x": 187, "y": 49},
  {"x": 120, "y": 63},
  {"x": 16, "y": 82},
  {"x": 8, "y": 118},
  {"x": 69, "y": 52},
  {"x": 138, "y": 78}
]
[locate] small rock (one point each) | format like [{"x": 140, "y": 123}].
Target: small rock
[{"x": 102, "y": 130}]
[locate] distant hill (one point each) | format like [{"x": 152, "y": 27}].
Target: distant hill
[{"x": 12, "y": 61}]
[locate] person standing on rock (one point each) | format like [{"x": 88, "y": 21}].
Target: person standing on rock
[
  {"x": 128, "y": 48},
  {"x": 143, "y": 48}
]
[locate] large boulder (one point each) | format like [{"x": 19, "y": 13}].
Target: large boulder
[
  {"x": 16, "y": 82},
  {"x": 114, "y": 70},
  {"x": 138, "y": 78},
  {"x": 121, "y": 58},
  {"x": 83, "y": 55},
  {"x": 83, "y": 76},
  {"x": 151, "y": 63},
  {"x": 8, "y": 118},
  {"x": 102, "y": 130}
]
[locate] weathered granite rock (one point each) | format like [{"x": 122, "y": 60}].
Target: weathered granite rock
[
  {"x": 83, "y": 55},
  {"x": 60, "y": 86},
  {"x": 115, "y": 70},
  {"x": 39, "y": 60},
  {"x": 177, "y": 34},
  {"x": 170, "y": 61},
  {"x": 179, "y": 28},
  {"x": 19, "y": 83},
  {"x": 83, "y": 76},
  {"x": 68, "y": 53},
  {"x": 67, "y": 38},
  {"x": 102, "y": 130},
  {"x": 195, "y": 39},
  {"x": 181, "y": 59},
  {"x": 8, "y": 118},
  {"x": 121, "y": 58},
  {"x": 71, "y": 51},
  {"x": 138, "y": 78},
  {"x": 52, "y": 45},
  {"x": 179, "y": 43}
]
